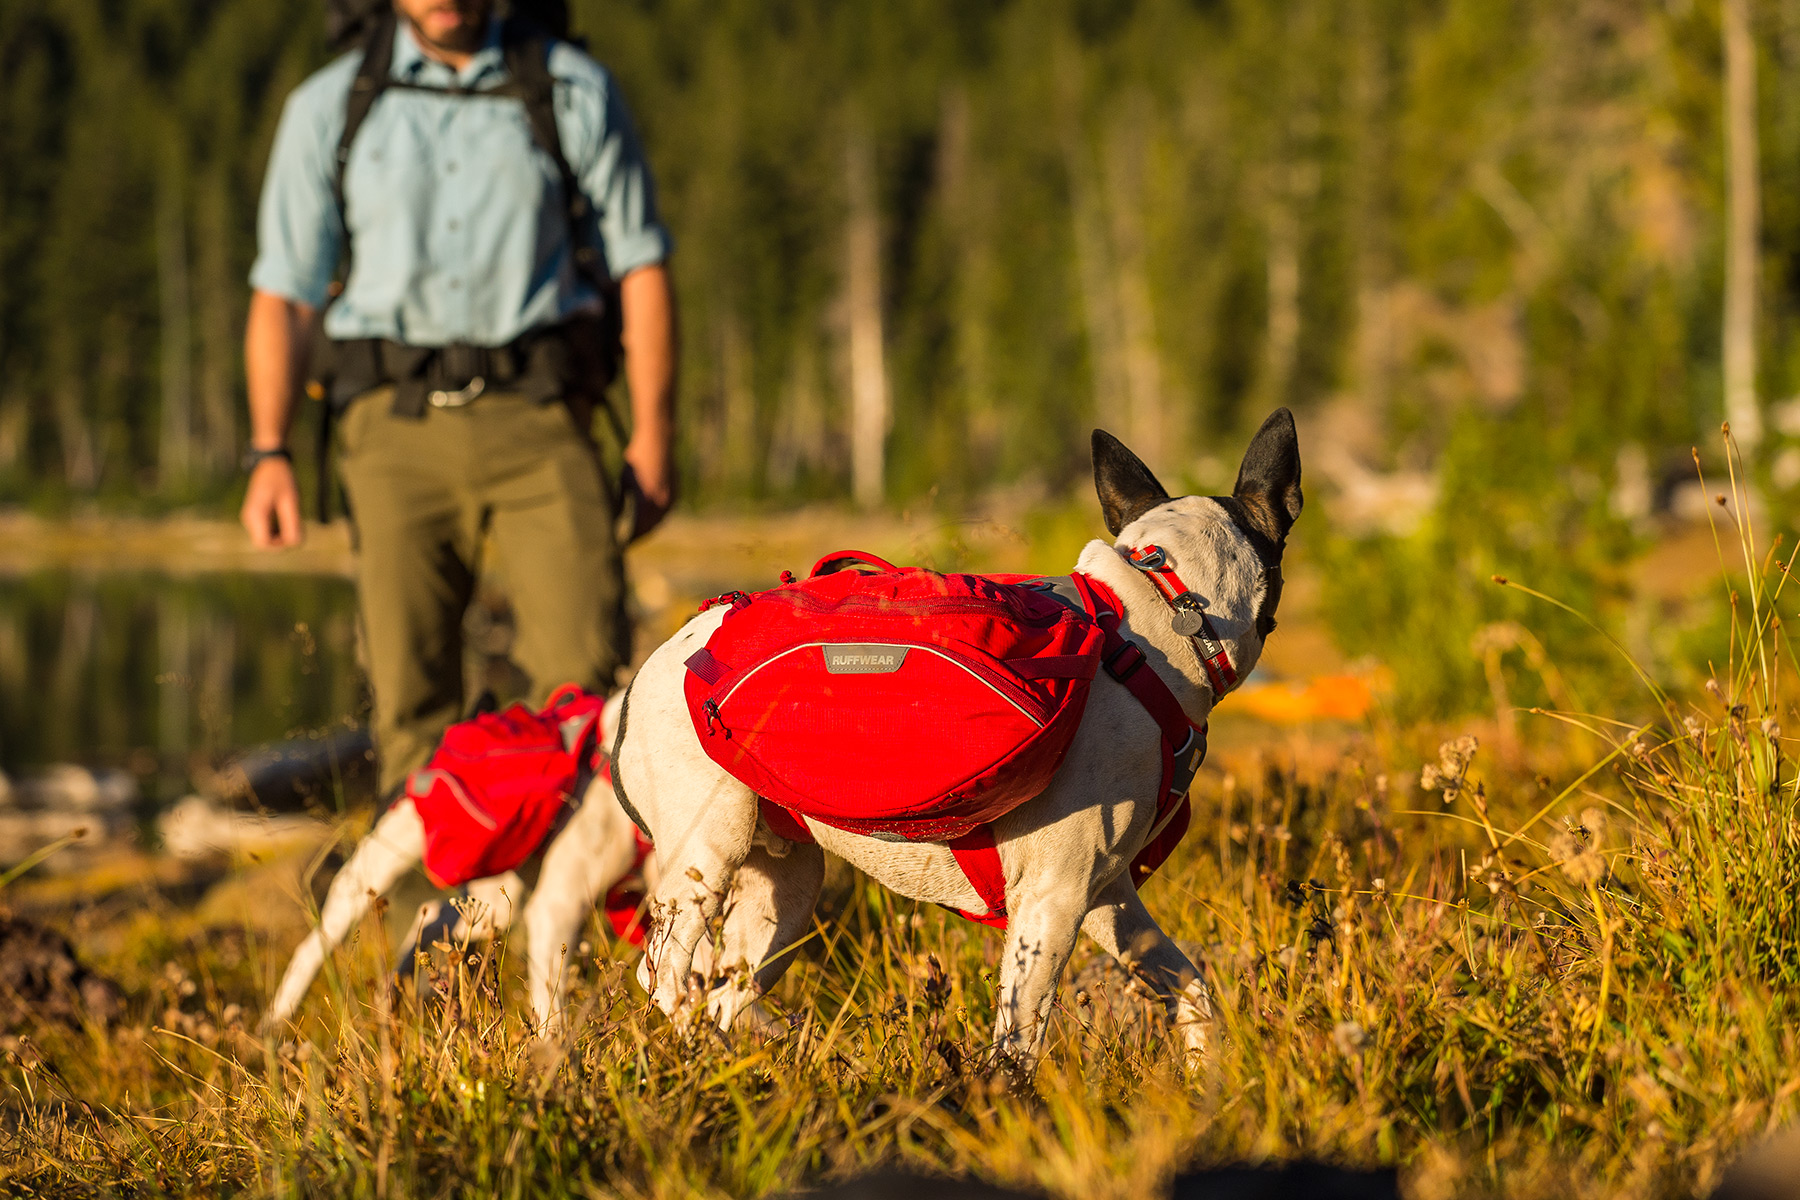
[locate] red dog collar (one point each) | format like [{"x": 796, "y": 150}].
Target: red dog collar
[{"x": 1190, "y": 620}]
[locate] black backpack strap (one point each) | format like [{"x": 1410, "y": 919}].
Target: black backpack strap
[
  {"x": 527, "y": 52},
  {"x": 526, "y": 48},
  {"x": 371, "y": 80}
]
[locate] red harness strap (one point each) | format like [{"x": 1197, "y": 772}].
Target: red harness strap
[{"x": 1183, "y": 749}]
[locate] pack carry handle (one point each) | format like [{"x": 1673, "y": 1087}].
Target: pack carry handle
[{"x": 844, "y": 560}]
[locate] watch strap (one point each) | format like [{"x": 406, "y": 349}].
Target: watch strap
[{"x": 254, "y": 458}]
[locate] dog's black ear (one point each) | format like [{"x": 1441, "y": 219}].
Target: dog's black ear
[
  {"x": 1268, "y": 482},
  {"x": 1127, "y": 488}
]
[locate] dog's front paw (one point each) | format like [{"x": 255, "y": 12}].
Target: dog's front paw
[
  {"x": 1193, "y": 1019},
  {"x": 731, "y": 996},
  {"x": 681, "y": 1000}
]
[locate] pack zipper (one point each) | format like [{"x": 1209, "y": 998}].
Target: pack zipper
[{"x": 997, "y": 684}]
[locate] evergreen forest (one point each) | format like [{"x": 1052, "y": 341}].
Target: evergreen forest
[{"x": 1478, "y": 245}]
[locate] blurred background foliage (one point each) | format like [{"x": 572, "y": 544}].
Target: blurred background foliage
[{"x": 1476, "y": 244}]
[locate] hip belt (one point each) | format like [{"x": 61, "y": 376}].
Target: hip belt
[
  {"x": 541, "y": 365},
  {"x": 573, "y": 361}
]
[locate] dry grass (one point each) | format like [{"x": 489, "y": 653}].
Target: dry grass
[
  {"x": 1569, "y": 973},
  {"x": 1597, "y": 1002}
]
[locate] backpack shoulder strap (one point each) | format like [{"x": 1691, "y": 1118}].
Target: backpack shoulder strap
[
  {"x": 527, "y": 51},
  {"x": 371, "y": 80}
]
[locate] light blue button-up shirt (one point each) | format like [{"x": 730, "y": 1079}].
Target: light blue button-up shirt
[{"x": 457, "y": 220}]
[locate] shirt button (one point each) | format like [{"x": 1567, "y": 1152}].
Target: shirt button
[
  {"x": 455, "y": 283},
  {"x": 455, "y": 225},
  {"x": 450, "y": 167}
]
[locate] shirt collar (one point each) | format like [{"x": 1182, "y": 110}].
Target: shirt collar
[{"x": 411, "y": 64}]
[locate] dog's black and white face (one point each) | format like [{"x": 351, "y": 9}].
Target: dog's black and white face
[{"x": 1226, "y": 548}]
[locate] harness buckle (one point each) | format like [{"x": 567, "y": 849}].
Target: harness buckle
[
  {"x": 1127, "y": 647},
  {"x": 1187, "y": 761},
  {"x": 461, "y": 396},
  {"x": 1148, "y": 558}
]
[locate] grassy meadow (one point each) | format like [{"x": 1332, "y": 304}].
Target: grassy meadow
[
  {"x": 1479, "y": 246},
  {"x": 1557, "y": 959}
]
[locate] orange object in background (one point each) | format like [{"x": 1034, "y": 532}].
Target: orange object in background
[{"x": 1323, "y": 698}]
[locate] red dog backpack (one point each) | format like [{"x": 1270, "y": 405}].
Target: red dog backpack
[
  {"x": 900, "y": 704},
  {"x": 500, "y": 784}
]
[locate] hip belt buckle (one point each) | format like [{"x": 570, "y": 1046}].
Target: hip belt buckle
[{"x": 460, "y": 396}]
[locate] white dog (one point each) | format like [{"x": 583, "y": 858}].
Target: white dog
[
  {"x": 594, "y": 852},
  {"x": 1064, "y": 853}
]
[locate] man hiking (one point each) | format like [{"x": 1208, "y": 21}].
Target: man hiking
[{"x": 484, "y": 181}]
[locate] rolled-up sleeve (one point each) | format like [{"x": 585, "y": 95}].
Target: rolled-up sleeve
[
  {"x": 613, "y": 173},
  {"x": 298, "y": 230}
]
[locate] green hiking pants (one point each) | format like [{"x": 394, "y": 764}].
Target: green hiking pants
[{"x": 423, "y": 495}]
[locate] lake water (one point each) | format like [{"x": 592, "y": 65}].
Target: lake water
[{"x": 162, "y": 675}]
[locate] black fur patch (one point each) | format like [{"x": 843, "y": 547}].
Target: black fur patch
[
  {"x": 618, "y": 777},
  {"x": 1268, "y": 553}
]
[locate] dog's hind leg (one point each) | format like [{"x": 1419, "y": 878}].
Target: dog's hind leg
[
  {"x": 770, "y": 907},
  {"x": 390, "y": 850},
  {"x": 1040, "y": 936},
  {"x": 594, "y": 851},
  {"x": 700, "y": 852},
  {"x": 701, "y": 819},
  {"x": 1124, "y": 928}
]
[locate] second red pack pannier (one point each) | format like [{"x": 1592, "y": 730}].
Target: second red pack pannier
[{"x": 501, "y": 783}]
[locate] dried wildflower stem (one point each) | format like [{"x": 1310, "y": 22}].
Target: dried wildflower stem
[
  {"x": 1742, "y": 520},
  {"x": 1586, "y": 775},
  {"x": 1607, "y": 929}
]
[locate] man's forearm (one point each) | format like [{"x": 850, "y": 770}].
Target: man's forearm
[
  {"x": 277, "y": 338},
  {"x": 651, "y": 350}
]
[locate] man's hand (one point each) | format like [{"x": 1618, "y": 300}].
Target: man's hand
[
  {"x": 275, "y": 348},
  {"x": 271, "y": 512},
  {"x": 651, "y": 347},
  {"x": 653, "y": 475}
]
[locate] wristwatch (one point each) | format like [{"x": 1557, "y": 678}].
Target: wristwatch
[{"x": 254, "y": 457}]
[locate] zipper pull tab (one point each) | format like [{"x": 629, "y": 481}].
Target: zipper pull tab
[{"x": 711, "y": 709}]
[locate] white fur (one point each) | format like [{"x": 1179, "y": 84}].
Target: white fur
[{"x": 1065, "y": 853}]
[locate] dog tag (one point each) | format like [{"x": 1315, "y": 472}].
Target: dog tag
[
  {"x": 864, "y": 658},
  {"x": 1190, "y": 614}
]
